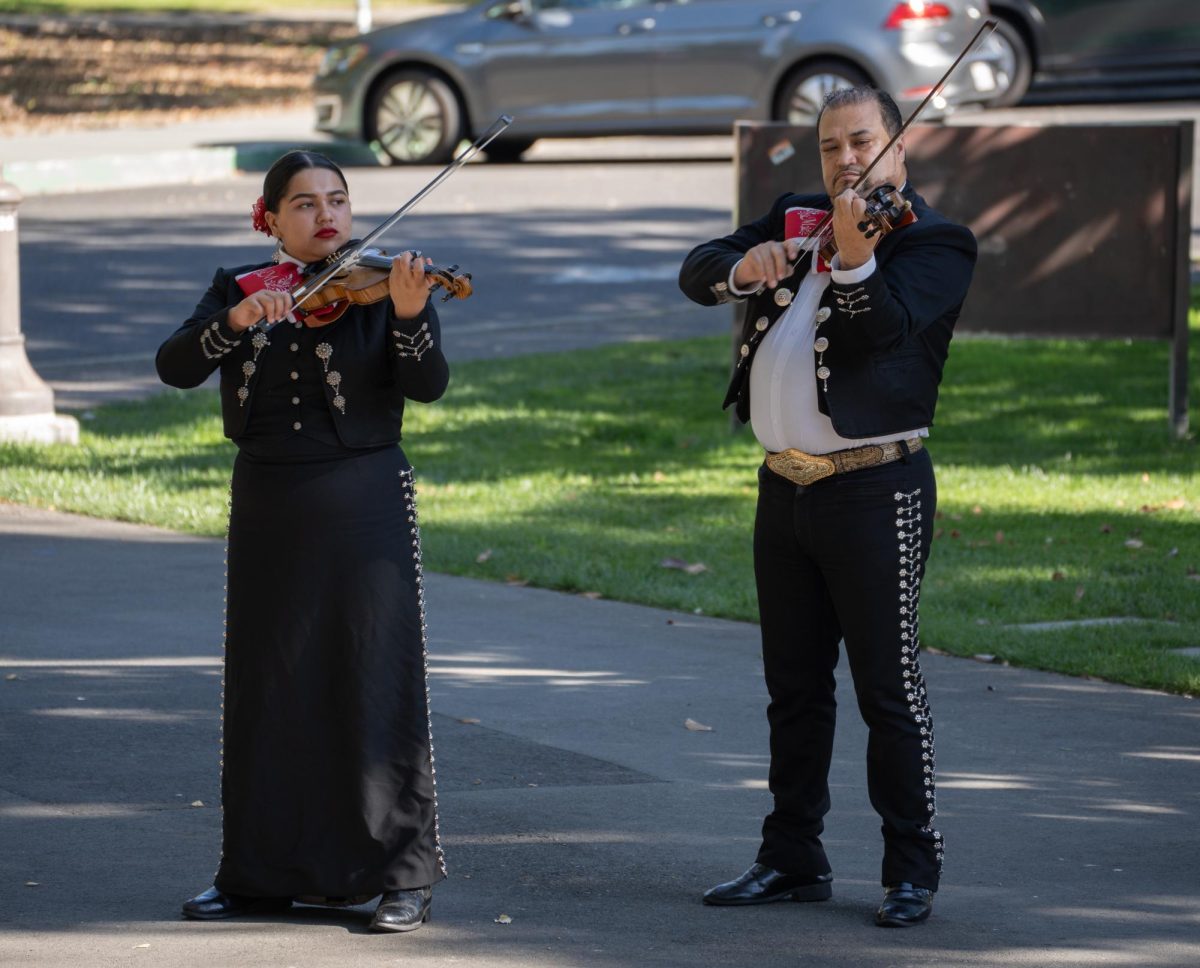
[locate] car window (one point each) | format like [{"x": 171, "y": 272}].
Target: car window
[{"x": 539, "y": 5}]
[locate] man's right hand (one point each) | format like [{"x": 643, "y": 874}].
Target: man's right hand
[{"x": 766, "y": 264}]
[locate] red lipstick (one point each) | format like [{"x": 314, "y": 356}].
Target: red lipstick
[{"x": 326, "y": 233}]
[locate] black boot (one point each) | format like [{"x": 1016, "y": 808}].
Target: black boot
[
  {"x": 904, "y": 905},
  {"x": 403, "y": 910},
  {"x": 214, "y": 904}
]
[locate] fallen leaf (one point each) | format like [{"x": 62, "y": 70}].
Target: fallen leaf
[
  {"x": 516, "y": 581},
  {"x": 1176, "y": 504},
  {"x": 696, "y": 568},
  {"x": 1134, "y": 543},
  {"x": 1106, "y": 529},
  {"x": 1145, "y": 478},
  {"x": 504, "y": 919},
  {"x": 1150, "y": 508},
  {"x": 1057, "y": 576},
  {"x": 469, "y": 721},
  {"x": 938, "y": 515},
  {"x": 985, "y": 657},
  {"x": 670, "y": 621},
  {"x": 12, "y": 677},
  {"x": 476, "y": 782},
  {"x": 197, "y": 803},
  {"x": 696, "y": 727},
  {"x": 938, "y": 533},
  {"x": 955, "y": 533},
  {"x": 592, "y": 595},
  {"x": 659, "y": 476},
  {"x": 977, "y": 509},
  {"x": 483, "y": 556},
  {"x": 1079, "y": 593},
  {"x": 999, "y": 537}
]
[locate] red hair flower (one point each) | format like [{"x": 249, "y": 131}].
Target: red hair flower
[{"x": 258, "y": 217}]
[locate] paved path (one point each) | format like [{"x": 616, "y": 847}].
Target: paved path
[{"x": 578, "y": 805}]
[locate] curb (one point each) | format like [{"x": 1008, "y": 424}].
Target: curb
[{"x": 171, "y": 167}]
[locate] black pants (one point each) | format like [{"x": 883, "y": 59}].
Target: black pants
[{"x": 842, "y": 560}]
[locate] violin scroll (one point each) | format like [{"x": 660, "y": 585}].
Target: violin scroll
[{"x": 887, "y": 209}]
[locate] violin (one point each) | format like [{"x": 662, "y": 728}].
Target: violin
[
  {"x": 366, "y": 283},
  {"x": 887, "y": 210}
]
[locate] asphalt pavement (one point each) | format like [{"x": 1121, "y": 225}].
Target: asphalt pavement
[{"x": 574, "y": 800}]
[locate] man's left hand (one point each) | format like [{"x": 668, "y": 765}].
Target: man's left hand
[{"x": 854, "y": 248}]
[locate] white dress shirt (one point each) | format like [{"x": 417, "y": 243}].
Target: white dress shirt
[{"x": 783, "y": 380}]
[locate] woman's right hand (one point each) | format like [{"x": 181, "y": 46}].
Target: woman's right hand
[{"x": 264, "y": 304}]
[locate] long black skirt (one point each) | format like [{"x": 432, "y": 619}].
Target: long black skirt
[{"x": 327, "y": 778}]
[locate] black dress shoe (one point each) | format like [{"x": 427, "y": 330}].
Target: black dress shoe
[
  {"x": 213, "y": 904},
  {"x": 761, "y": 884},
  {"x": 904, "y": 905},
  {"x": 403, "y": 910}
]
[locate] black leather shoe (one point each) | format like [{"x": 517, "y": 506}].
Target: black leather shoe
[
  {"x": 904, "y": 905},
  {"x": 761, "y": 884},
  {"x": 403, "y": 910},
  {"x": 213, "y": 904}
]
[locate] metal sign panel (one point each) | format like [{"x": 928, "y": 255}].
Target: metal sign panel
[{"x": 1077, "y": 225}]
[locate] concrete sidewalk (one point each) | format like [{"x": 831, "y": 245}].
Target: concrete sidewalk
[{"x": 573, "y": 799}]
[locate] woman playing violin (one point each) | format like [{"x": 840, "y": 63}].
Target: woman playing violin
[{"x": 328, "y": 786}]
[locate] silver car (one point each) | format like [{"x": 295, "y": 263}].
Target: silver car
[{"x": 567, "y": 68}]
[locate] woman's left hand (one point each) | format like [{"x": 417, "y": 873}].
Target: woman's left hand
[{"x": 408, "y": 285}]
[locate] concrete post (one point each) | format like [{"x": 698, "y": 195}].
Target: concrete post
[{"x": 26, "y": 402}]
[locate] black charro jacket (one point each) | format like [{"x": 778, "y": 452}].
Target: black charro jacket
[
  {"x": 381, "y": 361},
  {"x": 889, "y": 335}
]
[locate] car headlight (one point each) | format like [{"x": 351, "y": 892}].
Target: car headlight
[{"x": 338, "y": 60}]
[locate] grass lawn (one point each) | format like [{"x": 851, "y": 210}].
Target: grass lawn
[{"x": 1062, "y": 496}]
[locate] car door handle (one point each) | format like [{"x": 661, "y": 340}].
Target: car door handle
[
  {"x": 787, "y": 17},
  {"x": 640, "y": 26}
]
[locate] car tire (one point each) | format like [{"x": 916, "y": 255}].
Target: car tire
[
  {"x": 505, "y": 151},
  {"x": 803, "y": 91},
  {"x": 414, "y": 117},
  {"x": 1015, "y": 61}
]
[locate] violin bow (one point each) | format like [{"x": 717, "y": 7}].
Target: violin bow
[
  {"x": 984, "y": 30},
  {"x": 350, "y": 257}
]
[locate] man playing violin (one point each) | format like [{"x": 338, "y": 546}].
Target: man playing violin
[{"x": 838, "y": 374}]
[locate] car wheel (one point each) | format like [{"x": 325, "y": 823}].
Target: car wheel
[
  {"x": 803, "y": 92},
  {"x": 507, "y": 150},
  {"x": 414, "y": 117},
  {"x": 1014, "y": 72}
]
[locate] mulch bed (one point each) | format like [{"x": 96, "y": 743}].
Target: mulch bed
[{"x": 57, "y": 73}]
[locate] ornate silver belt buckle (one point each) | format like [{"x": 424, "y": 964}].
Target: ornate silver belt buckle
[{"x": 801, "y": 468}]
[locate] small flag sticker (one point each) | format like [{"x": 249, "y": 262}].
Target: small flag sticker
[{"x": 781, "y": 151}]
